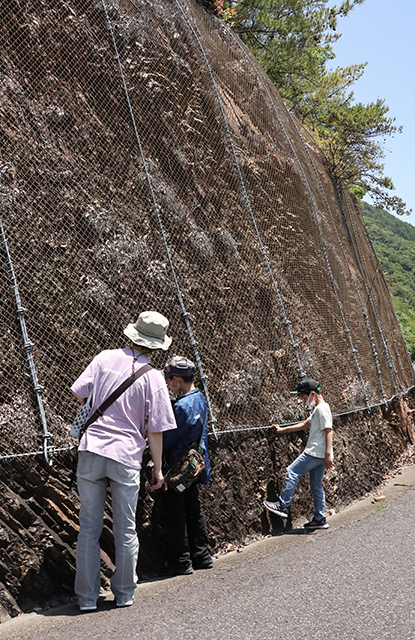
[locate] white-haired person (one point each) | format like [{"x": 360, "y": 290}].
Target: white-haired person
[
  {"x": 110, "y": 454},
  {"x": 315, "y": 459}
]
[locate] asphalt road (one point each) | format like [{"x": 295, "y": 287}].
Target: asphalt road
[{"x": 355, "y": 581}]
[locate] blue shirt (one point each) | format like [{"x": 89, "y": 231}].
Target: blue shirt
[{"x": 190, "y": 412}]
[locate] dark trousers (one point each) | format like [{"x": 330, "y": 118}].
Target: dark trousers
[{"x": 185, "y": 527}]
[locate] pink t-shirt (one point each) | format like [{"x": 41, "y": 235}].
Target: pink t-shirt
[{"x": 120, "y": 433}]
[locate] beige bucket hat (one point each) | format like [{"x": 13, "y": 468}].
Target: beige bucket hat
[{"x": 150, "y": 331}]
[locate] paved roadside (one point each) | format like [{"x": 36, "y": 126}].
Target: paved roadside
[{"x": 354, "y": 581}]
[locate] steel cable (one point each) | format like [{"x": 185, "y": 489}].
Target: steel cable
[
  {"x": 371, "y": 292},
  {"x": 347, "y": 330},
  {"x": 193, "y": 342},
  {"x": 364, "y": 312},
  {"x": 28, "y": 346},
  {"x": 246, "y": 200},
  {"x": 374, "y": 305}
]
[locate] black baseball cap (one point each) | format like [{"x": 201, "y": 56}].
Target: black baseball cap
[{"x": 306, "y": 386}]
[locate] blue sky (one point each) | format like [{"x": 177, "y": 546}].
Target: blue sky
[{"x": 381, "y": 32}]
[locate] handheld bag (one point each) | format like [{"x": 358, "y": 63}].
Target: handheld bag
[
  {"x": 186, "y": 470},
  {"x": 81, "y": 417}
]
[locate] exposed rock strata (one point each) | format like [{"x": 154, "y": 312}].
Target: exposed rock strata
[{"x": 38, "y": 513}]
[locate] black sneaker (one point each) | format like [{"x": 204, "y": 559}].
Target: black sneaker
[
  {"x": 316, "y": 524},
  {"x": 173, "y": 571},
  {"x": 277, "y": 507},
  {"x": 205, "y": 565}
]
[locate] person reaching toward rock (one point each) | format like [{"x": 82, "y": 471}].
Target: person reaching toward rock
[
  {"x": 315, "y": 459},
  {"x": 110, "y": 454},
  {"x": 184, "y": 520}
]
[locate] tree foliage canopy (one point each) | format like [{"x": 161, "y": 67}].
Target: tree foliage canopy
[{"x": 293, "y": 40}]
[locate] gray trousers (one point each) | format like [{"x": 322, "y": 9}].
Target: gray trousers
[{"x": 94, "y": 475}]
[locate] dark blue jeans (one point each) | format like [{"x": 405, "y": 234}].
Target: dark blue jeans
[{"x": 302, "y": 465}]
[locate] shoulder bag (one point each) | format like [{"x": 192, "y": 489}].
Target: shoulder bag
[{"x": 186, "y": 469}]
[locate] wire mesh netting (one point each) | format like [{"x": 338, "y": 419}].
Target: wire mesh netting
[{"x": 147, "y": 162}]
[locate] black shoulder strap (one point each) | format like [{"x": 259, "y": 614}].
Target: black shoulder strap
[{"x": 116, "y": 394}]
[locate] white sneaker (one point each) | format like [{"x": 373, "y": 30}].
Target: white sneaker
[{"x": 125, "y": 604}]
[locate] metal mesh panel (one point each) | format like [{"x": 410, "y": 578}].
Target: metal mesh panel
[{"x": 146, "y": 161}]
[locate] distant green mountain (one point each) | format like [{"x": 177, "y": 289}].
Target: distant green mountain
[{"x": 394, "y": 242}]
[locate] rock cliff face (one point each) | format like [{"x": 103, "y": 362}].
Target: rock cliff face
[
  {"x": 38, "y": 512},
  {"x": 180, "y": 184}
]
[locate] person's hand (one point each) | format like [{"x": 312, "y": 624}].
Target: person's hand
[
  {"x": 278, "y": 429},
  {"x": 156, "y": 479},
  {"x": 328, "y": 461}
]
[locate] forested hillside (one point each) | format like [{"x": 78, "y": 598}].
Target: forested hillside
[{"x": 394, "y": 242}]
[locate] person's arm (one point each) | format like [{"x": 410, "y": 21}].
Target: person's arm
[
  {"x": 300, "y": 426},
  {"x": 155, "y": 441},
  {"x": 78, "y": 398},
  {"x": 328, "y": 458}
]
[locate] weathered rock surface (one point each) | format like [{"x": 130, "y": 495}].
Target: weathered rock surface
[
  {"x": 38, "y": 513},
  {"x": 88, "y": 254}
]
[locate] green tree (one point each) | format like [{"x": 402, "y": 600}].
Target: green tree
[{"x": 293, "y": 40}]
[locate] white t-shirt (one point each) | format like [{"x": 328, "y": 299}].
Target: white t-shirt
[{"x": 320, "y": 419}]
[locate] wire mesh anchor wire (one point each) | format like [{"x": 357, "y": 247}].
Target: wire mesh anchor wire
[
  {"x": 391, "y": 363},
  {"x": 378, "y": 320},
  {"x": 353, "y": 350},
  {"x": 384, "y": 403},
  {"x": 385, "y": 294},
  {"x": 365, "y": 315},
  {"x": 193, "y": 342},
  {"x": 52, "y": 450},
  {"x": 385, "y": 289},
  {"x": 371, "y": 294},
  {"x": 404, "y": 341},
  {"x": 236, "y": 429},
  {"x": 246, "y": 197},
  {"x": 28, "y": 346}
]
